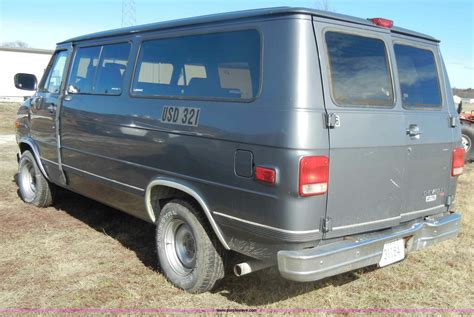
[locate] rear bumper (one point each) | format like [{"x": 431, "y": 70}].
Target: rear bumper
[{"x": 363, "y": 250}]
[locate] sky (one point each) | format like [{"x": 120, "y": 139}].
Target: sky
[{"x": 42, "y": 23}]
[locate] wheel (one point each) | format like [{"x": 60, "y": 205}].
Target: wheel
[
  {"x": 467, "y": 137},
  {"x": 34, "y": 188},
  {"x": 189, "y": 256}
]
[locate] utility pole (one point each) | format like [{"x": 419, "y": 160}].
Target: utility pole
[{"x": 128, "y": 13}]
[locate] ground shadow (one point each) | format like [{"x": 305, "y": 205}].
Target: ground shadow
[
  {"x": 262, "y": 288},
  {"x": 267, "y": 286},
  {"x": 133, "y": 233}
]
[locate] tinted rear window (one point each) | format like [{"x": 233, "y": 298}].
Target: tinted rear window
[
  {"x": 99, "y": 69},
  {"x": 359, "y": 70},
  {"x": 84, "y": 69},
  {"x": 418, "y": 76},
  {"x": 221, "y": 65}
]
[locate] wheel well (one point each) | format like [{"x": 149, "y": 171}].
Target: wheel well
[
  {"x": 24, "y": 147},
  {"x": 161, "y": 191},
  {"x": 160, "y": 195}
]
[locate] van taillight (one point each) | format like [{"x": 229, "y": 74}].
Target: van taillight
[
  {"x": 385, "y": 23},
  {"x": 458, "y": 161},
  {"x": 314, "y": 175}
]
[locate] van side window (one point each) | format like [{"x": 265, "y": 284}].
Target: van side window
[
  {"x": 155, "y": 73},
  {"x": 55, "y": 76},
  {"x": 84, "y": 69},
  {"x": 221, "y": 65},
  {"x": 99, "y": 69},
  {"x": 113, "y": 62},
  {"x": 188, "y": 72},
  {"x": 418, "y": 76},
  {"x": 359, "y": 70}
]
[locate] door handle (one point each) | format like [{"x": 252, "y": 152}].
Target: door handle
[
  {"x": 52, "y": 108},
  {"x": 36, "y": 103},
  {"x": 414, "y": 131}
]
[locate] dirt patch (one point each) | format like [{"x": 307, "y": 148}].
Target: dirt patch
[{"x": 82, "y": 254}]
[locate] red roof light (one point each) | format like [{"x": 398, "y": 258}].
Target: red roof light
[{"x": 385, "y": 23}]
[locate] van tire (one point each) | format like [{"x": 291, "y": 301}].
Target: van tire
[
  {"x": 467, "y": 138},
  {"x": 34, "y": 188},
  {"x": 189, "y": 255}
]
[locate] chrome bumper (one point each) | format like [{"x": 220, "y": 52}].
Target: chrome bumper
[{"x": 363, "y": 250}]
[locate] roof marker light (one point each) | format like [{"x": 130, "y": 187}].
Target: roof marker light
[{"x": 385, "y": 23}]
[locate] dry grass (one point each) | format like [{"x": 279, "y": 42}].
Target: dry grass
[{"x": 80, "y": 253}]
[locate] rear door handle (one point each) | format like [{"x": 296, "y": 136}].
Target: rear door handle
[{"x": 414, "y": 131}]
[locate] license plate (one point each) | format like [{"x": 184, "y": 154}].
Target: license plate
[{"x": 392, "y": 252}]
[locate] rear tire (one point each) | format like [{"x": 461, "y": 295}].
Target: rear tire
[
  {"x": 35, "y": 189},
  {"x": 190, "y": 256},
  {"x": 467, "y": 138}
]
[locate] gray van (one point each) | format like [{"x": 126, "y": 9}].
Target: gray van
[{"x": 311, "y": 141}]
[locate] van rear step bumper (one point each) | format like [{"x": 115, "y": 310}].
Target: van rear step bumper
[{"x": 359, "y": 251}]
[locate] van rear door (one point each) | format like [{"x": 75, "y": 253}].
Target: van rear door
[
  {"x": 429, "y": 133},
  {"x": 368, "y": 137}
]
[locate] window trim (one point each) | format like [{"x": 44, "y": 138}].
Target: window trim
[
  {"x": 48, "y": 70},
  {"x": 101, "y": 45},
  {"x": 389, "y": 65},
  {"x": 186, "y": 33},
  {"x": 438, "y": 78}
]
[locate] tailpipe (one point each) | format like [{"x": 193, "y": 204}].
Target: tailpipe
[{"x": 245, "y": 268}]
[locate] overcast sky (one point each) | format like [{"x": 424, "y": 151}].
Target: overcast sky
[{"x": 41, "y": 24}]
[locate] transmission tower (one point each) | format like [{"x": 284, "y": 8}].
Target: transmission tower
[{"x": 128, "y": 13}]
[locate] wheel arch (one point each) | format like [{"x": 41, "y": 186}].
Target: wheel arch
[
  {"x": 164, "y": 185},
  {"x": 28, "y": 144}
]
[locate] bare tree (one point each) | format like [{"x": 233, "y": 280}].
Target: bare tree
[
  {"x": 323, "y": 5},
  {"x": 15, "y": 44}
]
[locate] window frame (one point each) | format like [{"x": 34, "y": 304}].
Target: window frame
[
  {"x": 165, "y": 36},
  {"x": 438, "y": 77},
  {"x": 389, "y": 64},
  {"x": 48, "y": 70},
  {"x": 101, "y": 45}
]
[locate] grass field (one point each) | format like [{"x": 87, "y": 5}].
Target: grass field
[{"x": 81, "y": 254}]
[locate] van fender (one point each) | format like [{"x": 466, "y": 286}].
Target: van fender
[
  {"x": 188, "y": 189},
  {"x": 34, "y": 147}
]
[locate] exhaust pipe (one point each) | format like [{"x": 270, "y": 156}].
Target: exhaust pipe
[{"x": 245, "y": 268}]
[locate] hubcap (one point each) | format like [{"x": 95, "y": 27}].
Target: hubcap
[
  {"x": 466, "y": 143},
  {"x": 28, "y": 181},
  {"x": 180, "y": 246}
]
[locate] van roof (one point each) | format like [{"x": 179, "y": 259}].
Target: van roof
[{"x": 237, "y": 15}]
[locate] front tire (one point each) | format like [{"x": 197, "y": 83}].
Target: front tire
[
  {"x": 35, "y": 189},
  {"x": 189, "y": 256}
]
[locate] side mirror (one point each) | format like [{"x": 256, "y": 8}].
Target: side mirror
[{"x": 25, "y": 81}]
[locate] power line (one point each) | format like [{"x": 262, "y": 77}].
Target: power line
[{"x": 128, "y": 13}]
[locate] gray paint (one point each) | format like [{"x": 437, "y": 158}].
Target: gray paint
[{"x": 114, "y": 148}]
